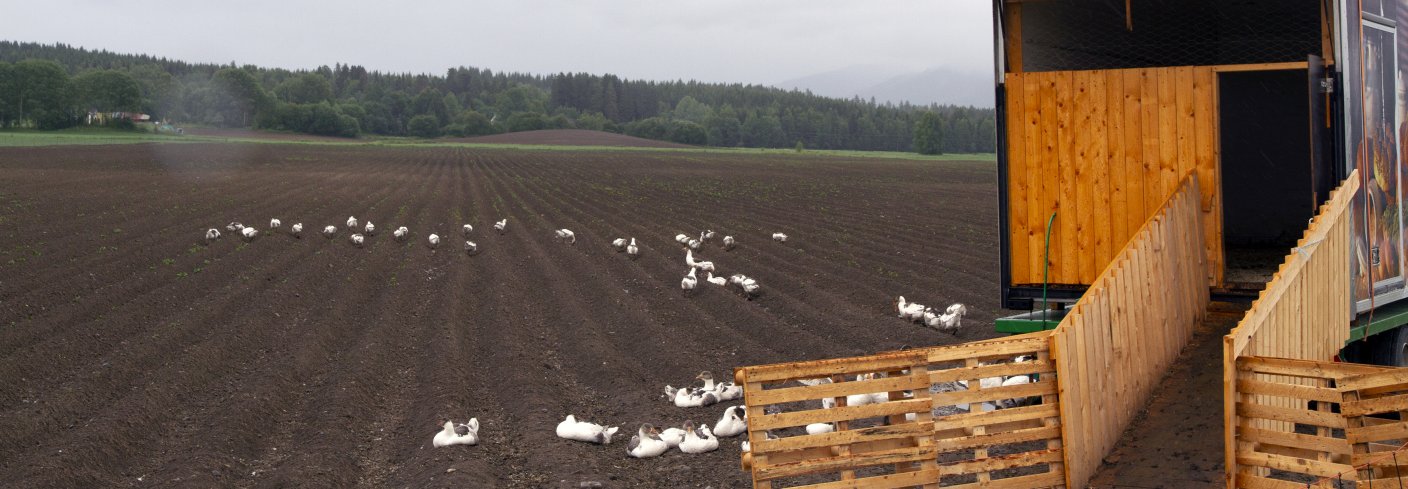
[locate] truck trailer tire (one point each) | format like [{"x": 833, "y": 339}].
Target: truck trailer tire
[{"x": 1392, "y": 348}]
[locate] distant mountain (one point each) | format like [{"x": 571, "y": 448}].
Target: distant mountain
[{"x": 936, "y": 85}]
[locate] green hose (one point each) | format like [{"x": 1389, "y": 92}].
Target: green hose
[{"x": 1046, "y": 269}]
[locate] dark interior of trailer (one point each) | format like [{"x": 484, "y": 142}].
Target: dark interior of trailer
[{"x": 1266, "y": 170}]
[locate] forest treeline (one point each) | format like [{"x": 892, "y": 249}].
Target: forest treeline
[{"x": 55, "y": 86}]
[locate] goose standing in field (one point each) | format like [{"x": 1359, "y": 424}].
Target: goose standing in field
[
  {"x": 330, "y": 231},
  {"x": 234, "y": 227},
  {"x": 275, "y": 223},
  {"x": 572, "y": 429},
  {"x": 707, "y": 266},
  {"x": 779, "y": 237},
  {"x": 467, "y": 229},
  {"x": 211, "y": 235},
  {"x": 729, "y": 243},
  {"x": 733, "y": 422},
  {"x": 694, "y": 244},
  {"x": 646, "y": 443},
  {"x": 912, "y": 311},
  {"x": 698, "y": 439},
  {"x": 401, "y": 233},
  {"x": 470, "y": 247},
  {"x": 351, "y": 222},
  {"x": 949, "y": 321},
  {"x": 357, "y": 240},
  {"x": 633, "y": 250},
  {"x": 708, "y": 235},
  {"x": 249, "y": 233},
  {"x": 433, "y": 240},
  {"x": 687, "y": 284},
  {"x": 725, "y": 391},
  {"x": 501, "y": 225},
  {"x": 682, "y": 239},
  {"x": 566, "y": 235},
  {"x": 750, "y": 287},
  {"x": 619, "y": 244},
  {"x": 717, "y": 280},
  {"x": 296, "y": 230},
  {"x": 370, "y": 228},
  {"x": 458, "y": 434}
]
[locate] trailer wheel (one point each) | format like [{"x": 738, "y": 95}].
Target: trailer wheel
[{"x": 1392, "y": 350}]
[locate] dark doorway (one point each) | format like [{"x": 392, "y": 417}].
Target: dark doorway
[{"x": 1266, "y": 170}]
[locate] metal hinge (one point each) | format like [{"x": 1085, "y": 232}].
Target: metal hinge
[{"x": 1327, "y": 85}]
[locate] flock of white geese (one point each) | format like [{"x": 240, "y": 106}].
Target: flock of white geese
[{"x": 649, "y": 440}]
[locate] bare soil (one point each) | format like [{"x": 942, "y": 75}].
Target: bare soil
[
  {"x": 570, "y": 137},
  {"x": 132, "y": 354}
]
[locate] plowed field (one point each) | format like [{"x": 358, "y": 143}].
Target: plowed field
[{"x": 132, "y": 354}]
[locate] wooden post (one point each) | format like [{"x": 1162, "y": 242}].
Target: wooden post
[{"x": 1012, "y": 20}]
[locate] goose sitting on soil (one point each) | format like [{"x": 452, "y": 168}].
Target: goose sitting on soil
[
  {"x": 707, "y": 266},
  {"x": 566, "y": 235},
  {"x": 672, "y": 437},
  {"x": 698, "y": 439},
  {"x": 370, "y": 228},
  {"x": 249, "y": 233},
  {"x": 234, "y": 227},
  {"x": 211, "y": 235},
  {"x": 470, "y": 247},
  {"x": 296, "y": 230},
  {"x": 732, "y": 423},
  {"x": 646, "y": 443},
  {"x": 633, "y": 250},
  {"x": 434, "y": 240},
  {"x": 401, "y": 233},
  {"x": 357, "y": 240},
  {"x": 725, "y": 391},
  {"x": 729, "y": 243},
  {"x": 694, "y": 244},
  {"x": 779, "y": 237},
  {"x": 275, "y": 223},
  {"x": 682, "y": 239},
  {"x": 467, "y": 229},
  {"x": 910, "y": 311},
  {"x": 686, "y": 397},
  {"x": 1020, "y": 401},
  {"x": 330, "y": 231},
  {"x": 688, "y": 282},
  {"x": 708, "y": 235},
  {"x": 948, "y": 322},
  {"x": 746, "y": 446},
  {"x": 717, "y": 280},
  {"x": 458, "y": 434},
  {"x": 619, "y": 244},
  {"x": 501, "y": 225},
  {"x": 748, "y": 286},
  {"x": 819, "y": 428},
  {"x": 572, "y": 429},
  {"x": 351, "y": 222}
]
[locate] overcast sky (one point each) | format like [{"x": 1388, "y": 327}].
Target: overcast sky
[{"x": 754, "y": 41}]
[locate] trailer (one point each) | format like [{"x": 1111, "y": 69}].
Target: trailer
[{"x": 1104, "y": 105}]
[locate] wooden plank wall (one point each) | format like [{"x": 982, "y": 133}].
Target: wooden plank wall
[
  {"x": 1104, "y": 149},
  {"x": 1303, "y": 315},
  {"x": 913, "y": 447},
  {"x": 1128, "y": 328}
]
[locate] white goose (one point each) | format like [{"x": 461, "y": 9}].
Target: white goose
[
  {"x": 330, "y": 231},
  {"x": 646, "y": 443},
  {"x": 948, "y": 322},
  {"x": 619, "y": 244},
  {"x": 725, "y": 391},
  {"x": 566, "y": 235},
  {"x": 370, "y": 228},
  {"x": 249, "y": 233},
  {"x": 572, "y": 429},
  {"x": 234, "y": 227},
  {"x": 434, "y": 240},
  {"x": 467, "y": 229},
  {"x": 779, "y": 237},
  {"x": 733, "y": 422},
  {"x": 694, "y": 244},
  {"x": 707, "y": 266},
  {"x": 698, "y": 440},
  {"x": 401, "y": 233},
  {"x": 708, "y": 235},
  {"x": 458, "y": 434},
  {"x": 687, "y": 397},
  {"x": 729, "y": 243},
  {"x": 358, "y": 239},
  {"x": 748, "y": 286},
  {"x": 688, "y": 282},
  {"x": 672, "y": 437},
  {"x": 717, "y": 280},
  {"x": 275, "y": 223},
  {"x": 351, "y": 222},
  {"x": 501, "y": 225},
  {"x": 912, "y": 311},
  {"x": 211, "y": 235},
  {"x": 747, "y": 446},
  {"x": 682, "y": 239},
  {"x": 470, "y": 247},
  {"x": 819, "y": 428},
  {"x": 296, "y": 229},
  {"x": 633, "y": 250}
]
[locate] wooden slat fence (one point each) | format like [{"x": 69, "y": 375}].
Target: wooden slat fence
[
  {"x": 1302, "y": 315},
  {"x": 1123, "y": 334},
  {"x": 1105, "y": 149}
]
